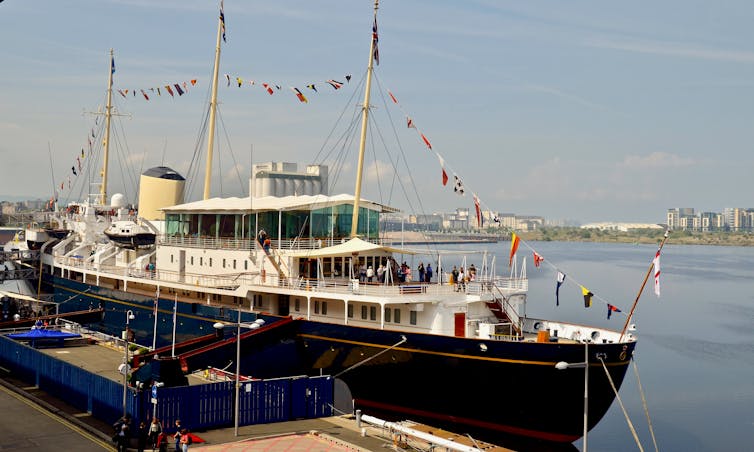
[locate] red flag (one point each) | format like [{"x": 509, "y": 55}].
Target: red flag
[
  {"x": 410, "y": 123},
  {"x": 514, "y": 247},
  {"x": 444, "y": 174},
  {"x": 537, "y": 259},
  {"x": 300, "y": 96},
  {"x": 193, "y": 82},
  {"x": 268, "y": 88},
  {"x": 145, "y": 95},
  {"x": 479, "y": 220},
  {"x": 426, "y": 141},
  {"x": 392, "y": 97}
]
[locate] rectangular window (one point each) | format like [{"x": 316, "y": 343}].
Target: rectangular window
[
  {"x": 210, "y": 261},
  {"x": 297, "y": 305},
  {"x": 364, "y": 312},
  {"x": 192, "y": 260},
  {"x": 201, "y": 261},
  {"x": 387, "y": 315},
  {"x": 171, "y": 258},
  {"x": 245, "y": 265},
  {"x": 373, "y": 313},
  {"x": 397, "y": 315},
  {"x": 350, "y": 311},
  {"x": 324, "y": 308},
  {"x": 316, "y": 307},
  {"x": 234, "y": 264},
  {"x": 412, "y": 317},
  {"x": 223, "y": 263}
]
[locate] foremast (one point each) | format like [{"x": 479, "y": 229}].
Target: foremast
[
  {"x": 364, "y": 123},
  {"x": 108, "y": 116},
  {"x": 213, "y": 107}
]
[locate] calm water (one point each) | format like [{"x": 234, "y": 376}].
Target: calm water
[{"x": 695, "y": 348}]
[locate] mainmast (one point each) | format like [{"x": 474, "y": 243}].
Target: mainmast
[
  {"x": 213, "y": 106},
  {"x": 364, "y": 122},
  {"x": 108, "y": 115}
]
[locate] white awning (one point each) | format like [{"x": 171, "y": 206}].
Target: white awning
[
  {"x": 17, "y": 296},
  {"x": 349, "y": 248},
  {"x": 274, "y": 203}
]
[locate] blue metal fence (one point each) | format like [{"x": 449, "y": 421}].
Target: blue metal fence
[{"x": 198, "y": 407}]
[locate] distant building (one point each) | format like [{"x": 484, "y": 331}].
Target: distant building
[{"x": 624, "y": 227}]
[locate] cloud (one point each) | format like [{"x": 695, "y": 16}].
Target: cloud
[
  {"x": 656, "y": 160},
  {"x": 673, "y": 49}
]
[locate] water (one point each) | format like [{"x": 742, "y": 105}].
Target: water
[{"x": 695, "y": 350}]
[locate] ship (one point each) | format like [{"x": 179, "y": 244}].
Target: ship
[{"x": 463, "y": 356}]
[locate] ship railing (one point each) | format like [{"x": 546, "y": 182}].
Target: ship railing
[
  {"x": 232, "y": 243},
  {"x": 356, "y": 287}
]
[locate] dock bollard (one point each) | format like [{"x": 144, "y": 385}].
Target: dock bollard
[{"x": 358, "y": 418}]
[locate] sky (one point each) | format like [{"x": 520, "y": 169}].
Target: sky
[{"x": 579, "y": 110}]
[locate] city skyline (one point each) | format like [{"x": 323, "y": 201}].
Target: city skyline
[{"x": 570, "y": 111}]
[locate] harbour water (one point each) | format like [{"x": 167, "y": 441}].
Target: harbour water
[{"x": 695, "y": 351}]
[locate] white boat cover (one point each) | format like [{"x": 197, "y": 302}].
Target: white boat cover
[{"x": 349, "y": 248}]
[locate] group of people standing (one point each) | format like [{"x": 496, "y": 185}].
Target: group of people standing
[
  {"x": 401, "y": 273},
  {"x": 151, "y": 435},
  {"x": 461, "y": 277}
]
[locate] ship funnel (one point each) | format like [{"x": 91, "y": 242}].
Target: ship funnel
[{"x": 159, "y": 187}]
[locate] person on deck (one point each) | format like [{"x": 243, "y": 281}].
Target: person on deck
[
  {"x": 429, "y": 273},
  {"x": 421, "y": 271}
]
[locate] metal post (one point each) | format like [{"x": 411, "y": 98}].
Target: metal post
[
  {"x": 129, "y": 316},
  {"x": 175, "y": 320},
  {"x": 238, "y": 369},
  {"x": 586, "y": 389}
]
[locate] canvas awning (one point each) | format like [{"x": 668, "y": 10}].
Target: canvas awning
[
  {"x": 349, "y": 248},
  {"x": 17, "y": 296}
]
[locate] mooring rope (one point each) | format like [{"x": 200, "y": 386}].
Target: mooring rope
[
  {"x": 644, "y": 403},
  {"x": 620, "y": 402},
  {"x": 403, "y": 339}
]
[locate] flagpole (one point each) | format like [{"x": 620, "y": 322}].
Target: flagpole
[
  {"x": 644, "y": 283},
  {"x": 213, "y": 105},
  {"x": 154, "y": 332}
]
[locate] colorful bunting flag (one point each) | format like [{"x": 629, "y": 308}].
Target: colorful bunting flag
[
  {"x": 587, "y": 297},
  {"x": 444, "y": 174},
  {"x": 268, "y": 88},
  {"x": 82, "y": 153},
  {"x": 537, "y": 259},
  {"x": 426, "y": 141},
  {"x": 78, "y": 162},
  {"x": 145, "y": 95},
  {"x": 222, "y": 19},
  {"x": 73, "y": 168},
  {"x": 410, "y": 123},
  {"x": 193, "y": 81},
  {"x": 458, "y": 188},
  {"x": 239, "y": 80},
  {"x": 656, "y": 263},
  {"x": 515, "y": 240},
  {"x": 611, "y": 309},
  {"x": 348, "y": 78},
  {"x": 120, "y": 91},
  {"x": 375, "y": 40},
  {"x": 559, "y": 280},
  {"x": 335, "y": 84},
  {"x": 178, "y": 89},
  {"x": 479, "y": 219},
  {"x": 170, "y": 90},
  {"x": 300, "y": 95},
  {"x": 312, "y": 87},
  {"x": 227, "y": 76},
  {"x": 112, "y": 65},
  {"x": 395, "y": 101}
]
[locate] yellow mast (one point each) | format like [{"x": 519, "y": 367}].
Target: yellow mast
[
  {"x": 106, "y": 147},
  {"x": 213, "y": 108},
  {"x": 364, "y": 122}
]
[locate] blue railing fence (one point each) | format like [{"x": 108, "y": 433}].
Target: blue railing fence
[{"x": 199, "y": 407}]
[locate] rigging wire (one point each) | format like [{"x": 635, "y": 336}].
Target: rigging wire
[
  {"x": 620, "y": 402},
  {"x": 644, "y": 402}
]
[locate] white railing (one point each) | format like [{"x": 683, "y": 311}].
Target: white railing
[
  {"x": 270, "y": 279},
  {"x": 247, "y": 243}
]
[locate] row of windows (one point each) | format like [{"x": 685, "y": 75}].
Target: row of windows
[
  {"x": 226, "y": 264},
  {"x": 369, "y": 312}
]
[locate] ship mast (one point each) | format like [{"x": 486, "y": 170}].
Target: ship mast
[
  {"x": 108, "y": 115},
  {"x": 364, "y": 122},
  {"x": 213, "y": 108}
]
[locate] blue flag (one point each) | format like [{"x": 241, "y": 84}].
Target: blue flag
[{"x": 112, "y": 65}]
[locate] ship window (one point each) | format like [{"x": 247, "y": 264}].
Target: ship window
[
  {"x": 297, "y": 305},
  {"x": 364, "y": 312},
  {"x": 234, "y": 264},
  {"x": 316, "y": 307},
  {"x": 192, "y": 260},
  {"x": 171, "y": 258},
  {"x": 397, "y": 315},
  {"x": 387, "y": 314},
  {"x": 373, "y": 313},
  {"x": 324, "y": 308},
  {"x": 201, "y": 261},
  {"x": 350, "y": 311},
  {"x": 210, "y": 261},
  {"x": 223, "y": 263},
  {"x": 245, "y": 265},
  {"x": 412, "y": 317}
]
